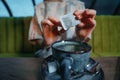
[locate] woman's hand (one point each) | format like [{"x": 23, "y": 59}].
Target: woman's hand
[
  {"x": 50, "y": 30},
  {"x": 87, "y": 25}
]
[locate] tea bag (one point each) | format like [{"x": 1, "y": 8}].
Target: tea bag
[{"x": 68, "y": 21}]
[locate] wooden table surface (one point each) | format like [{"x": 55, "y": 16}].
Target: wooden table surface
[
  {"x": 111, "y": 67},
  {"x": 28, "y": 68}
]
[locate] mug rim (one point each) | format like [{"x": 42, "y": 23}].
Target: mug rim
[{"x": 71, "y": 52}]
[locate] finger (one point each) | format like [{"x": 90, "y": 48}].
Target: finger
[
  {"x": 54, "y": 21},
  {"x": 87, "y": 23},
  {"x": 81, "y": 25},
  {"x": 47, "y": 22},
  {"x": 91, "y": 23},
  {"x": 61, "y": 31},
  {"x": 58, "y": 24},
  {"x": 78, "y": 14},
  {"x": 89, "y": 13},
  {"x": 47, "y": 25}
]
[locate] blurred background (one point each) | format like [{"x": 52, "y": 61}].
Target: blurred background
[{"x": 20, "y": 8}]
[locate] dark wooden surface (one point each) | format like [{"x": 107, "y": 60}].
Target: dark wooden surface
[
  {"x": 111, "y": 67},
  {"x": 28, "y": 68}
]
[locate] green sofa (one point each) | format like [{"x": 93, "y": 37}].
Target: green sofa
[{"x": 14, "y": 37}]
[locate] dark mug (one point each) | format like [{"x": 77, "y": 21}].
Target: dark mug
[{"x": 72, "y": 55}]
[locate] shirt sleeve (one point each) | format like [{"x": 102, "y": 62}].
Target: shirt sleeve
[{"x": 34, "y": 30}]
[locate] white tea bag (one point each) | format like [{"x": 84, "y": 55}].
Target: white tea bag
[{"x": 68, "y": 21}]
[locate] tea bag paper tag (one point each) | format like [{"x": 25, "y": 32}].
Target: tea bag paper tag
[{"x": 68, "y": 21}]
